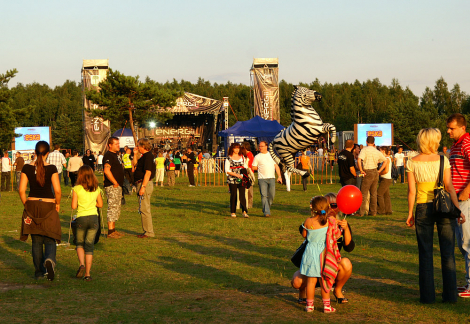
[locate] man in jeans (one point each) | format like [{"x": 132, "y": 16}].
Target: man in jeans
[
  {"x": 266, "y": 166},
  {"x": 6, "y": 172},
  {"x": 400, "y": 163},
  {"x": 460, "y": 169},
  {"x": 19, "y": 163},
  {"x": 371, "y": 158}
]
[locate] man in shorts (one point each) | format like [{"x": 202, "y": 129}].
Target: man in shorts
[{"x": 113, "y": 181}]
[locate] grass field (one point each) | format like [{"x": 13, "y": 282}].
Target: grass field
[{"x": 205, "y": 267}]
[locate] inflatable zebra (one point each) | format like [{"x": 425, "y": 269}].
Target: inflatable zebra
[{"x": 305, "y": 129}]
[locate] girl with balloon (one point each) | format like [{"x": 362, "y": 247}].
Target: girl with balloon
[{"x": 345, "y": 242}]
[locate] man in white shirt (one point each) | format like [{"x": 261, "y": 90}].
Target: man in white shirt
[
  {"x": 6, "y": 172},
  {"x": 400, "y": 163},
  {"x": 265, "y": 165},
  {"x": 58, "y": 159},
  {"x": 371, "y": 158},
  {"x": 100, "y": 162}
]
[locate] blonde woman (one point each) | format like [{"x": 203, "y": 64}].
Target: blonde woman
[{"x": 423, "y": 171}]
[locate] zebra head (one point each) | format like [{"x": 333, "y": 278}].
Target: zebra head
[{"x": 305, "y": 95}]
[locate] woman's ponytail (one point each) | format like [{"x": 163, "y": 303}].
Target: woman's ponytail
[{"x": 42, "y": 149}]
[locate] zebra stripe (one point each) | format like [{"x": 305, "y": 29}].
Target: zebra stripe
[{"x": 305, "y": 129}]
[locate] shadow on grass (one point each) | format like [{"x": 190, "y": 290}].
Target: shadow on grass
[
  {"x": 222, "y": 278},
  {"x": 246, "y": 245}
]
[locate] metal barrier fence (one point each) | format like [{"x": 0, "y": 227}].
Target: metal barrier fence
[{"x": 211, "y": 172}]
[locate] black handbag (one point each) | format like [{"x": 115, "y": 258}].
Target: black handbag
[
  {"x": 442, "y": 203},
  {"x": 297, "y": 257}
]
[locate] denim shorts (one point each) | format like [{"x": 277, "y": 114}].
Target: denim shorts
[{"x": 87, "y": 227}]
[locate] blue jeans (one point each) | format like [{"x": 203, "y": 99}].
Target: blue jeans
[
  {"x": 43, "y": 248},
  {"x": 401, "y": 172},
  {"x": 267, "y": 189},
  {"x": 462, "y": 233},
  {"x": 425, "y": 219},
  {"x": 87, "y": 227}
]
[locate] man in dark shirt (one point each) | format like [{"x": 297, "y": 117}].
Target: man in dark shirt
[
  {"x": 347, "y": 171},
  {"x": 191, "y": 162},
  {"x": 113, "y": 181},
  {"x": 19, "y": 163},
  {"x": 145, "y": 170}
]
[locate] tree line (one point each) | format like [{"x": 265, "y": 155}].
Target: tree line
[{"x": 343, "y": 105}]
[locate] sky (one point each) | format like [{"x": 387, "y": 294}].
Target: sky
[{"x": 414, "y": 41}]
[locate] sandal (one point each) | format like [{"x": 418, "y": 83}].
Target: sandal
[
  {"x": 80, "y": 271},
  {"x": 245, "y": 215},
  {"x": 87, "y": 278},
  {"x": 340, "y": 300},
  {"x": 233, "y": 215},
  {"x": 302, "y": 301}
]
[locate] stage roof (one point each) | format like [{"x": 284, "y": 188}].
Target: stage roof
[{"x": 193, "y": 104}]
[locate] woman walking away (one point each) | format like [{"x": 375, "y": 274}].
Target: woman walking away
[
  {"x": 423, "y": 172},
  {"x": 322, "y": 234},
  {"x": 40, "y": 216},
  {"x": 384, "y": 203},
  {"x": 74, "y": 164},
  {"x": 86, "y": 197},
  {"x": 233, "y": 167}
]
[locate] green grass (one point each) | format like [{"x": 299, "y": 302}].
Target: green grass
[{"x": 204, "y": 266}]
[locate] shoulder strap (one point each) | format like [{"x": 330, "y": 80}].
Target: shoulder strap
[{"x": 441, "y": 172}]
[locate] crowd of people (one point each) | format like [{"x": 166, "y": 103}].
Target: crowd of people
[{"x": 326, "y": 231}]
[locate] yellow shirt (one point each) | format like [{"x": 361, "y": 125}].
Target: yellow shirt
[
  {"x": 160, "y": 162},
  {"x": 426, "y": 174},
  {"x": 86, "y": 201}
]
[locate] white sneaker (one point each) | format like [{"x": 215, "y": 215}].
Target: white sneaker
[
  {"x": 192, "y": 186},
  {"x": 463, "y": 288}
]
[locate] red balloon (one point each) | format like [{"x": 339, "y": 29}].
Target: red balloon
[{"x": 349, "y": 199}]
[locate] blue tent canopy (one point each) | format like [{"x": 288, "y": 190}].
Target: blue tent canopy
[
  {"x": 122, "y": 132},
  {"x": 255, "y": 127}
]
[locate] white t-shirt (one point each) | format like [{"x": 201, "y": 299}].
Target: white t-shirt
[
  {"x": 100, "y": 159},
  {"x": 6, "y": 164},
  {"x": 400, "y": 159},
  {"x": 388, "y": 175},
  {"x": 265, "y": 164},
  {"x": 320, "y": 152}
]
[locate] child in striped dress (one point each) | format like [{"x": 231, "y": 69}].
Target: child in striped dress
[{"x": 315, "y": 229}]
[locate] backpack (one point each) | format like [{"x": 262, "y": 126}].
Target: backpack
[{"x": 170, "y": 166}]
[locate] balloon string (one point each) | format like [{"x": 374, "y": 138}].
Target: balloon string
[{"x": 319, "y": 190}]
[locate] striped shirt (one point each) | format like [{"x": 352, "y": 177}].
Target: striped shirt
[
  {"x": 460, "y": 162},
  {"x": 371, "y": 157},
  {"x": 58, "y": 159}
]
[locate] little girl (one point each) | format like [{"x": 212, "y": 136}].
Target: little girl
[
  {"x": 315, "y": 229},
  {"x": 86, "y": 197}
]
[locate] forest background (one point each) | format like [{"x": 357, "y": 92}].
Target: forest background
[{"x": 343, "y": 105}]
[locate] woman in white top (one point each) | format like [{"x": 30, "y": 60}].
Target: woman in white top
[
  {"x": 234, "y": 167},
  {"x": 74, "y": 164},
  {"x": 384, "y": 203},
  {"x": 423, "y": 171}
]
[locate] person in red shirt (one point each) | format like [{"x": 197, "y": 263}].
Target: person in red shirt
[
  {"x": 247, "y": 153},
  {"x": 460, "y": 169}
]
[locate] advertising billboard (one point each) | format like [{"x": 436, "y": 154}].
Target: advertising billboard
[
  {"x": 383, "y": 133},
  {"x": 30, "y": 136}
]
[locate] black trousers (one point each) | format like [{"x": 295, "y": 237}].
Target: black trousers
[
  {"x": 191, "y": 173},
  {"x": 233, "y": 197},
  {"x": 73, "y": 178}
]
